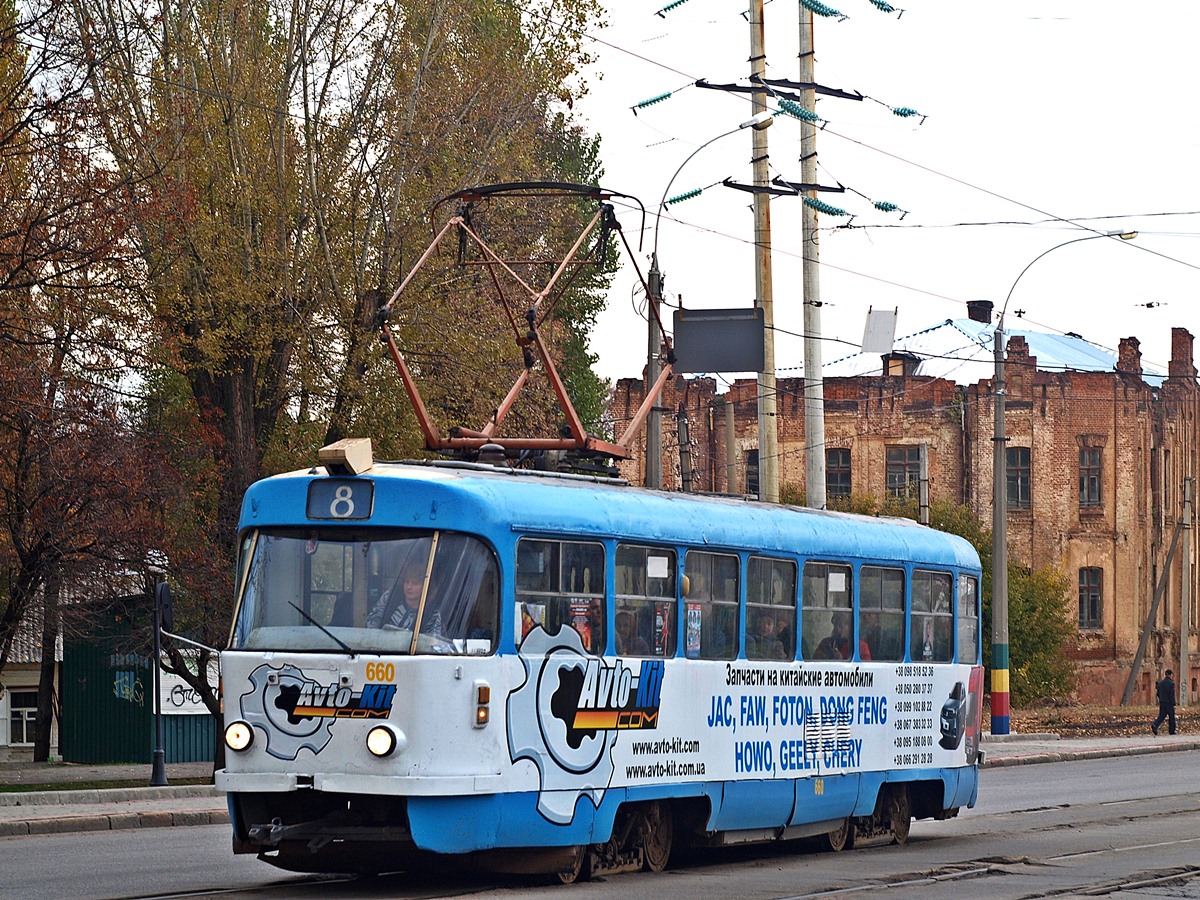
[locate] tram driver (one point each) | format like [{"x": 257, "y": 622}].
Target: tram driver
[{"x": 398, "y": 609}]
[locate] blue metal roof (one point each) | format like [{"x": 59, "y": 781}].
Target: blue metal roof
[{"x": 962, "y": 351}]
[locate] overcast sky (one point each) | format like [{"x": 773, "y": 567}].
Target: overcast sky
[{"x": 1042, "y": 118}]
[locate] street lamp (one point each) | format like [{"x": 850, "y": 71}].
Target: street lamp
[
  {"x": 162, "y": 617},
  {"x": 1000, "y": 692},
  {"x": 655, "y": 284}
]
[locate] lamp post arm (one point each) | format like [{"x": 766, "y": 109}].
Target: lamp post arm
[
  {"x": 757, "y": 121},
  {"x": 1000, "y": 647},
  {"x": 663, "y": 202},
  {"x": 1123, "y": 235}
]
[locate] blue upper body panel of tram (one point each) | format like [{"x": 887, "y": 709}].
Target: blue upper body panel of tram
[{"x": 497, "y": 503}]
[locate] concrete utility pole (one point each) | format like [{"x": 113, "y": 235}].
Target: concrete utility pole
[
  {"x": 1001, "y": 710},
  {"x": 768, "y": 436},
  {"x": 814, "y": 385},
  {"x": 731, "y": 479},
  {"x": 1185, "y": 597},
  {"x": 654, "y": 419},
  {"x": 685, "y": 449}
]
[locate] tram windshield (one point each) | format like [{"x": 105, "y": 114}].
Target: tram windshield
[{"x": 372, "y": 591}]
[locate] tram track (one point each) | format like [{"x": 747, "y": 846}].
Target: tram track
[
  {"x": 1031, "y": 867},
  {"x": 1134, "y": 881}
]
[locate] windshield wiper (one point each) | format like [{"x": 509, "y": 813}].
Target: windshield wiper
[{"x": 337, "y": 639}]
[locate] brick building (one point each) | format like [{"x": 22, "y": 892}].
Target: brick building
[{"x": 1098, "y": 455}]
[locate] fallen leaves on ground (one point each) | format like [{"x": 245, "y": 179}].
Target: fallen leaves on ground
[{"x": 1092, "y": 721}]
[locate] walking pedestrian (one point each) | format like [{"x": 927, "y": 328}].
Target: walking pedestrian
[{"x": 1166, "y": 703}]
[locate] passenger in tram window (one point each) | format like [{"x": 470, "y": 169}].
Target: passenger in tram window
[
  {"x": 839, "y": 644},
  {"x": 629, "y": 643},
  {"x": 764, "y": 642},
  {"x": 787, "y": 639},
  {"x": 869, "y": 623}
]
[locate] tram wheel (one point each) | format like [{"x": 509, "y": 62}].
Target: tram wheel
[
  {"x": 658, "y": 836},
  {"x": 900, "y": 812},
  {"x": 841, "y": 838},
  {"x": 581, "y": 869}
]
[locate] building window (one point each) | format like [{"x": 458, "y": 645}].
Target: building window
[
  {"x": 903, "y": 471},
  {"x": 1089, "y": 598},
  {"x": 1089, "y": 476},
  {"x": 1018, "y": 477},
  {"x": 23, "y": 717},
  {"x": 837, "y": 472},
  {"x": 751, "y": 471}
]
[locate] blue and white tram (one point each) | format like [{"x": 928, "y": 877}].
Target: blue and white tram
[{"x": 559, "y": 674}]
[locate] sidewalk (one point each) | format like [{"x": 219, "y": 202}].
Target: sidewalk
[
  {"x": 133, "y": 805},
  {"x": 138, "y": 805},
  {"x": 1025, "y": 749}
]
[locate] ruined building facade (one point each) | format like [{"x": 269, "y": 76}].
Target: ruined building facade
[{"x": 1098, "y": 465}]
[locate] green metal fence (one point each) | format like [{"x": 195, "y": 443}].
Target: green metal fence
[{"x": 108, "y": 704}]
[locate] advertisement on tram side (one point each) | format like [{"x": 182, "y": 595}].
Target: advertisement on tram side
[{"x": 589, "y": 723}]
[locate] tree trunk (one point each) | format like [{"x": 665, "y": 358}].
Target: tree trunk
[
  {"x": 45, "y": 702},
  {"x": 198, "y": 681}
]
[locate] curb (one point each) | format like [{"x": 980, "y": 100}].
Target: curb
[
  {"x": 106, "y": 795},
  {"x": 1100, "y": 753},
  {"x": 112, "y": 822}
]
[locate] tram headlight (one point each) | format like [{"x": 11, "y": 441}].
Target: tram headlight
[
  {"x": 239, "y": 736},
  {"x": 381, "y": 741}
]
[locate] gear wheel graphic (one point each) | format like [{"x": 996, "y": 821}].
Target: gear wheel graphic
[
  {"x": 571, "y": 763},
  {"x": 270, "y": 706}
]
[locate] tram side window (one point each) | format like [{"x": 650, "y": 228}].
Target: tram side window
[
  {"x": 932, "y": 618},
  {"x": 827, "y": 622},
  {"x": 645, "y": 620},
  {"x": 770, "y": 609},
  {"x": 968, "y": 619},
  {"x": 881, "y": 611},
  {"x": 561, "y": 584},
  {"x": 711, "y": 605}
]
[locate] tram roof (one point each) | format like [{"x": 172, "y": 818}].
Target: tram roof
[{"x": 475, "y": 497}]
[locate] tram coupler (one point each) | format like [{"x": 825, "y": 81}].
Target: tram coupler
[{"x": 269, "y": 835}]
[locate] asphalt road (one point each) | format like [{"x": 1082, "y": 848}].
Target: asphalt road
[{"x": 1131, "y": 824}]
